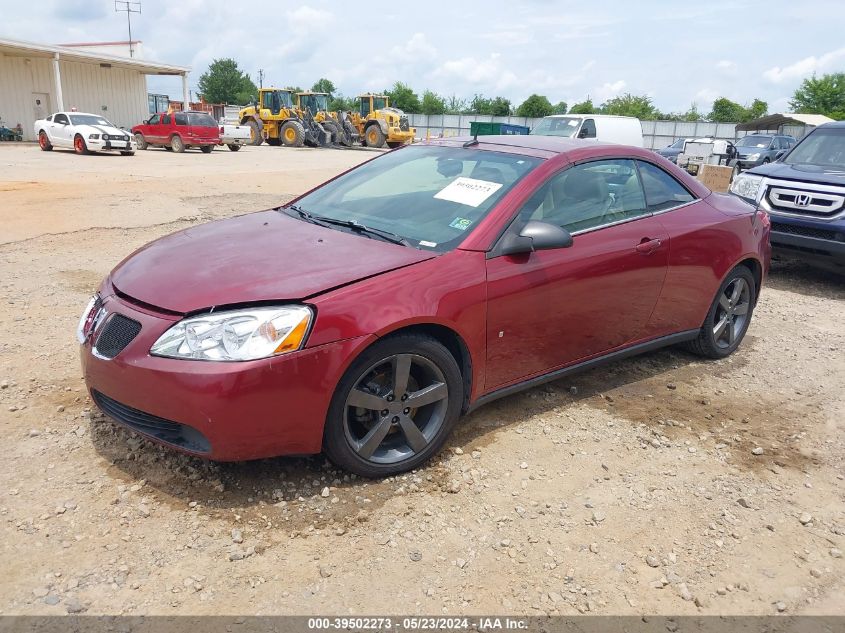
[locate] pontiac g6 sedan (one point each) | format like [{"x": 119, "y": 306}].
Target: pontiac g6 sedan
[{"x": 366, "y": 316}]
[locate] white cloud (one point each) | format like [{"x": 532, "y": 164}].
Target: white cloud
[
  {"x": 308, "y": 17},
  {"x": 415, "y": 49},
  {"x": 489, "y": 71},
  {"x": 726, "y": 64},
  {"x": 608, "y": 91},
  {"x": 804, "y": 67}
]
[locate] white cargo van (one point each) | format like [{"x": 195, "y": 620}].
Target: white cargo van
[{"x": 622, "y": 130}]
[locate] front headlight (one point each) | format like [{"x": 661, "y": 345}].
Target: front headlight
[
  {"x": 237, "y": 335},
  {"x": 753, "y": 156},
  {"x": 95, "y": 136},
  {"x": 747, "y": 186}
]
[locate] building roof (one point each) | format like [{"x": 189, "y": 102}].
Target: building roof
[
  {"x": 84, "y": 44},
  {"x": 774, "y": 121},
  {"x": 17, "y": 48}
]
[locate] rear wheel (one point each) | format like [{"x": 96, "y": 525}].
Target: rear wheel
[
  {"x": 394, "y": 407},
  {"x": 44, "y": 141},
  {"x": 374, "y": 137},
  {"x": 177, "y": 144},
  {"x": 79, "y": 145},
  {"x": 729, "y": 316},
  {"x": 292, "y": 134},
  {"x": 140, "y": 141},
  {"x": 256, "y": 137},
  {"x": 206, "y": 149},
  {"x": 233, "y": 147}
]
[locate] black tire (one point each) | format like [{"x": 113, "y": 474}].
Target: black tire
[
  {"x": 373, "y": 136},
  {"x": 44, "y": 142},
  {"x": 292, "y": 134},
  {"x": 334, "y": 131},
  {"x": 255, "y": 130},
  {"x": 766, "y": 161},
  {"x": 233, "y": 147},
  {"x": 708, "y": 343},
  {"x": 79, "y": 145},
  {"x": 167, "y": 148},
  {"x": 177, "y": 144},
  {"x": 140, "y": 141},
  {"x": 395, "y": 144},
  {"x": 343, "y": 420},
  {"x": 206, "y": 149},
  {"x": 127, "y": 153}
]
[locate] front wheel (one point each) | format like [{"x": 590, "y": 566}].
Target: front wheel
[
  {"x": 729, "y": 316},
  {"x": 140, "y": 141},
  {"x": 79, "y": 145},
  {"x": 44, "y": 141},
  {"x": 374, "y": 136},
  {"x": 292, "y": 134},
  {"x": 256, "y": 137},
  {"x": 394, "y": 407}
]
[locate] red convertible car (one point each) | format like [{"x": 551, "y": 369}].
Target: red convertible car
[{"x": 366, "y": 316}]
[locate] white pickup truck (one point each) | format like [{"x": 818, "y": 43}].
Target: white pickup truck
[{"x": 233, "y": 135}]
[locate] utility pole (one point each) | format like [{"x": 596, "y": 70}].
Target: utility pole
[
  {"x": 260, "y": 77},
  {"x": 129, "y": 8}
]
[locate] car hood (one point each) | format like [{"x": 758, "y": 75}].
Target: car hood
[
  {"x": 101, "y": 129},
  {"x": 745, "y": 151},
  {"x": 803, "y": 173},
  {"x": 265, "y": 256}
]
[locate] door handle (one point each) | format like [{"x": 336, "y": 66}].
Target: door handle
[{"x": 648, "y": 245}]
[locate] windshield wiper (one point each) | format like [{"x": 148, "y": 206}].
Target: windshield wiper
[{"x": 362, "y": 229}]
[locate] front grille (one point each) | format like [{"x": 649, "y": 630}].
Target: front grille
[
  {"x": 174, "y": 433},
  {"x": 116, "y": 334},
  {"x": 809, "y": 203},
  {"x": 403, "y": 124},
  {"x": 806, "y": 231}
]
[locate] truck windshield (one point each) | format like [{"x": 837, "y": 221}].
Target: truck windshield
[
  {"x": 433, "y": 197},
  {"x": 557, "y": 126},
  {"x": 379, "y": 103},
  {"x": 754, "y": 141},
  {"x": 824, "y": 148}
]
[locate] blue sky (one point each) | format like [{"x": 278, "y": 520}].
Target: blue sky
[{"x": 678, "y": 53}]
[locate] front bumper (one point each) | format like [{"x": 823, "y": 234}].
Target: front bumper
[
  {"x": 397, "y": 135},
  {"x": 745, "y": 163},
  {"x": 225, "y": 411},
  {"x": 99, "y": 145},
  {"x": 808, "y": 239}
]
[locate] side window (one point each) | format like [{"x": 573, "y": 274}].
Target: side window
[
  {"x": 61, "y": 118},
  {"x": 155, "y": 119},
  {"x": 165, "y": 120},
  {"x": 588, "y": 129},
  {"x": 662, "y": 191},
  {"x": 181, "y": 118},
  {"x": 50, "y": 118},
  {"x": 588, "y": 196}
]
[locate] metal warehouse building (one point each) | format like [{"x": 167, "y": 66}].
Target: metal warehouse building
[{"x": 37, "y": 79}]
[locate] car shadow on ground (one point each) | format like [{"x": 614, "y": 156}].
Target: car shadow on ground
[
  {"x": 297, "y": 485},
  {"x": 793, "y": 275}
]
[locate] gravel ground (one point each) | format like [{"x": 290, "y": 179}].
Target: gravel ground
[{"x": 663, "y": 484}]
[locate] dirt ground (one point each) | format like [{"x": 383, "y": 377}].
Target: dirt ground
[{"x": 631, "y": 489}]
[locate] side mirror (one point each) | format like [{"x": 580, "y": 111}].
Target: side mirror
[
  {"x": 535, "y": 236},
  {"x": 582, "y": 133},
  {"x": 780, "y": 154}
]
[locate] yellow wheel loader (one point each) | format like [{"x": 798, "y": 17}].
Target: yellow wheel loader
[
  {"x": 379, "y": 124},
  {"x": 274, "y": 119},
  {"x": 334, "y": 123}
]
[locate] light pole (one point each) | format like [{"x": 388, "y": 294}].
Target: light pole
[{"x": 129, "y": 8}]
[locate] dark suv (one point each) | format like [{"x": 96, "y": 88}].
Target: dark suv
[
  {"x": 761, "y": 149},
  {"x": 804, "y": 194}
]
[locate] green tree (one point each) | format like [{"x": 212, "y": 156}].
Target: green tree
[
  {"x": 403, "y": 97},
  {"x": 500, "y": 106},
  {"x": 535, "y": 106},
  {"x": 456, "y": 105},
  {"x": 821, "y": 95},
  {"x": 758, "y": 109},
  {"x": 639, "y": 106},
  {"x": 585, "y": 107},
  {"x": 224, "y": 82},
  {"x": 690, "y": 115},
  {"x": 432, "y": 103},
  {"x": 560, "y": 108},
  {"x": 726, "y": 111},
  {"x": 324, "y": 85},
  {"x": 481, "y": 105},
  {"x": 293, "y": 89},
  {"x": 339, "y": 102}
]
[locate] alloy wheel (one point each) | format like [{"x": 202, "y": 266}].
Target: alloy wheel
[
  {"x": 732, "y": 313},
  {"x": 395, "y": 408}
]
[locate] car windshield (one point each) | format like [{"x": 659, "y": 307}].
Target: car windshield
[
  {"x": 679, "y": 144},
  {"x": 759, "y": 142},
  {"x": 89, "y": 119},
  {"x": 201, "y": 120},
  {"x": 433, "y": 197},
  {"x": 825, "y": 148},
  {"x": 557, "y": 126}
]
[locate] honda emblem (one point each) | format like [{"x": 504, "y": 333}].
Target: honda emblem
[{"x": 802, "y": 200}]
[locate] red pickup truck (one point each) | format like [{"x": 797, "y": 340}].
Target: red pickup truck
[{"x": 178, "y": 131}]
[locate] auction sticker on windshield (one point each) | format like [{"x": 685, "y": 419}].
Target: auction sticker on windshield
[{"x": 468, "y": 191}]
